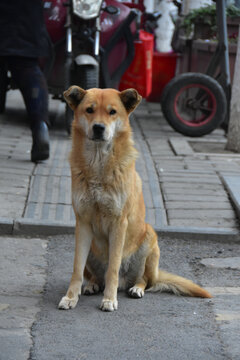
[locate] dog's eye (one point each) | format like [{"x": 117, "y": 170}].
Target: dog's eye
[
  {"x": 112, "y": 112},
  {"x": 89, "y": 110}
]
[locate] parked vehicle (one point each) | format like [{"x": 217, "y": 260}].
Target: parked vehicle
[
  {"x": 194, "y": 103},
  {"x": 92, "y": 46}
]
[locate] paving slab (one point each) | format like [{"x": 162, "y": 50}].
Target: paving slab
[
  {"x": 188, "y": 172},
  {"x": 227, "y": 310},
  {"x": 232, "y": 184},
  {"x": 23, "y": 275},
  {"x": 198, "y": 205},
  {"x": 190, "y": 179},
  {"x": 12, "y": 206},
  {"x": 50, "y": 189},
  {"x": 225, "y": 263},
  {"x": 201, "y": 223},
  {"x": 201, "y": 214},
  {"x": 169, "y": 196},
  {"x": 48, "y": 211},
  {"x": 159, "y": 148},
  {"x": 193, "y": 188},
  {"x": 180, "y": 146}
]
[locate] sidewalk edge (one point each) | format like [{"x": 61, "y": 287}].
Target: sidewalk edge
[
  {"x": 31, "y": 227},
  {"x": 202, "y": 234}
]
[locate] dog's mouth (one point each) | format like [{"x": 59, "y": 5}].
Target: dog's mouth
[{"x": 97, "y": 139}]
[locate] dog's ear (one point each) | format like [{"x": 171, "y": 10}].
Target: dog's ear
[
  {"x": 130, "y": 99},
  {"x": 74, "y": 96}
]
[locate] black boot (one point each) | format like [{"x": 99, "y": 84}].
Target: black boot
[
  {"x": 40, "y": 146},
  {"x": 32, "y": 83}
]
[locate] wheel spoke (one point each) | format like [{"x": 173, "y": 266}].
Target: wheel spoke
[{"x": 205, "y": 108}]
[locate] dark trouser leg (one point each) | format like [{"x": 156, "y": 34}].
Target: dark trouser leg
[{"x": 32, "y": 84}]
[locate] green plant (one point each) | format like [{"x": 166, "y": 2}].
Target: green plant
[
  {"x": 233, "y": 11},
  {"x": 206, "y": 15}
]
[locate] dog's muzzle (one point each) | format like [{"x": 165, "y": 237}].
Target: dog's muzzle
[{"x": 98, "y": 131}]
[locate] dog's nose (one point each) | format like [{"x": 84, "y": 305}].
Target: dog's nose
[{"x": 98, "y": 130}]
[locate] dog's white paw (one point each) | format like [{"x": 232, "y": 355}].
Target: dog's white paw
[
  {"x": 67, "y": 303},
  {"x": 90, "y": 289},
  {"x": 109, "y": 305},
  {"x": 136, "y": 292}
]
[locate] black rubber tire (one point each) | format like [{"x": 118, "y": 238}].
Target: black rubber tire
[
  {"x": 217, "y": 100},
  {"x": 68, "y": 118},
  {"x": 67, "y": 84},
  {"x": 88, "y": 77},
  {"x": 3, "y": 88}
]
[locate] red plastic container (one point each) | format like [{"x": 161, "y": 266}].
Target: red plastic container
[
  {"x": 139, "y": 73},
  {"x": 164, "y": 68}
]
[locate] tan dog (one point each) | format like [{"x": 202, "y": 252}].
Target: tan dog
[{"x": 115, "y": 248}]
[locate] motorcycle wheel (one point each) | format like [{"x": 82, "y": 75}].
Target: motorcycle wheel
[
  {"x": 68, "y": 118},
  {"x": 3, "y": 88},
  {"x": 194, "y": 104},
  {"x": 68, "y": 83},
  {"x": 88, "y": 77}
]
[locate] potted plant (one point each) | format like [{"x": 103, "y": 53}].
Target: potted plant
[{"x": 201, "y": 23}]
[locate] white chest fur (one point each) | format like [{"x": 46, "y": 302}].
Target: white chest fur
[
  {"x": 108, "y": 201},
  {"x": 98, "y": 189}
]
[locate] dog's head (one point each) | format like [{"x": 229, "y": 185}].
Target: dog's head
[{"x": 101, "y": 114}]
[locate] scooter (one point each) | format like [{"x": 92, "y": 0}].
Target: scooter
[{"x": 92, "y": 44}]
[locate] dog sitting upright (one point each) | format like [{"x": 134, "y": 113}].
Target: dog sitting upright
[{"x": 114, "y": 248}]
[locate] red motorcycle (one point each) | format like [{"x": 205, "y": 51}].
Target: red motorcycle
[{"x": 92, "y": 44}]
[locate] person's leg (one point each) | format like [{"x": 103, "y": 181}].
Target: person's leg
[{"x": 32, "y": 84}]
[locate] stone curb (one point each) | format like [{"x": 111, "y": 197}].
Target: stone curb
[
  {"x": 202, "y": 234},
  {"x": 33, "y": 227},
  {"x": 232, "y": 185},
  {"x": 6, "y": 226},
  {"x": 30, "y": 227}
]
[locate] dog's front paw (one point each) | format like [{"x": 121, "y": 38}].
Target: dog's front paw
[
  {"x": 109, "y": 305},
  {"x": 67, "y": 303},
  {"x": 136, "y": 292}
]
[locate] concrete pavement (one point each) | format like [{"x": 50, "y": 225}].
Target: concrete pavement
[
  {"x": 35, "y": 274},
  {"x": 190, "y": 185}
]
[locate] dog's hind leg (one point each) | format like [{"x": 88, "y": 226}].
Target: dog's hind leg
[
  {"x": 159, "y": 280},
  {"x": 91, "y": 287},
  {"x": 137, "y": 291},
  {"x": 149, "y": 273}
]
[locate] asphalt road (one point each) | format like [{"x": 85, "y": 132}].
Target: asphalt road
[{"x": 159, "y": 326}]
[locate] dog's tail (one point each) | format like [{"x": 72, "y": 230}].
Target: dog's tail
[{"x": 178, "y": 285}]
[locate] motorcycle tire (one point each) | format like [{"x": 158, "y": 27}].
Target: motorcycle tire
[
  {"x": 67, "y": 84},
  {"x": 88, "y": 77},
  {"x": 194, "y": 104},
  {"x": 3, "y": 88},
  {"x": 68, "y": 119}
]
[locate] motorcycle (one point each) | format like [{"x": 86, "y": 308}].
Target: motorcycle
[{"x": 92, "y": 45}]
